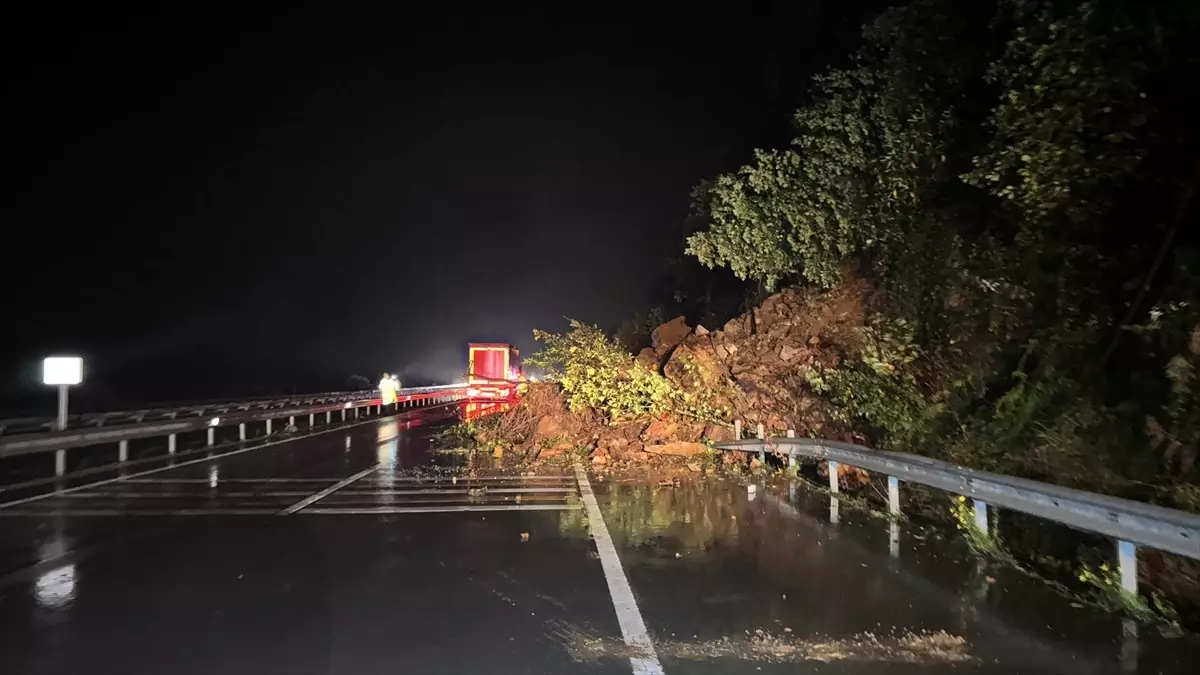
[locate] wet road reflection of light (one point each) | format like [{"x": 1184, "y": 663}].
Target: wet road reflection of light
[
  {"x": 388, "y": 437},
  {"x": 213, "y": 476},
  {"x": 56, "y": 588},
  {"x": 388, "y": 456}
]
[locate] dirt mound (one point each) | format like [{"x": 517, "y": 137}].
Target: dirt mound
[
  {"x": 758, "y": 365},
  {"x": 756, "y": 369},
  {"x": 541, "y": 426}
]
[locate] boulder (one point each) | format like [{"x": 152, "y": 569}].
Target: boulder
[
  {"x": 660, "y": 430},
  {"x": 548, "y": 427},
  {"x": 648, "y": 358},
  {"x": 718, "y": 433},
  {"x": 667, "y": 336},
  {"x": 630, "y": 432},
  {"x": 678, "y": 449},
  {"x": 737, "y": 328},
  {"x": 689, "y": 430},
  {"x": 695, "y": 365}
]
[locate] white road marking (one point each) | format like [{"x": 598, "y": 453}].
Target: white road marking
[
  {"x": 175, "y": 465},
  {"x": 644, "y": 660},
  {"x": 327, "y": 491},
  {"x": 324, "y": 510},
  {"x": 182, "y": 495},
  {"x": 206, "y": 481},
  {"x": 462, "y": 491},
  {"x": 319, "y": 510},
  {"x": 471, "y": 479},
  {"x": 15, "y": 513}
]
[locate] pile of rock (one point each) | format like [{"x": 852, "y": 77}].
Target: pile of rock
[
  {"x": 757, "y": 367},
  {"x": 758, "y": 364}
]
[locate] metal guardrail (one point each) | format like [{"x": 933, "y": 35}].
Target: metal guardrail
[
  {"x": 170, "y": 422},
  {"x": 1130, "y": 523},
  {"x": 21, "y": 425}
]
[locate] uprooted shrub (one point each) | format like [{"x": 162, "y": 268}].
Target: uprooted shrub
[{"x": 597, "y": 373}]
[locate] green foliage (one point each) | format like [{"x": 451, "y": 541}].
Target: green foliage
[
  {"x": 595, "y": 372},
  {"x": 1175, "y": 432},
  {"x": 750, "y": 226},
  {"x": 1067, "y": 129},
  {"x": 1107, "y": 586},
  {"x": 461, "y": 435},
  {"x": 1007, "y": 172},
  {"x": 983, "y": 543},
  {"x": 879, "y": 388},
  {"x": 866, "y": 166}
]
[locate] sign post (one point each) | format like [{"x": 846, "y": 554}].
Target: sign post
[{"x": 62, "y": 372}]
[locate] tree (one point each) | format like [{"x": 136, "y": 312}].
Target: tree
[{"x": 1012, "y": 174}]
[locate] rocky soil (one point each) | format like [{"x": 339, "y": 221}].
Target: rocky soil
[{"x": 755, "y": 366}]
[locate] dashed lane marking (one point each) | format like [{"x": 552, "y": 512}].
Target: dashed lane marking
[
  {"x": 173, "y": 466},
  {"x": 207, "y": 481},
  {"x": 458, "y": 508},
  {"x": 313, "y": 498},
  {"x": 12, "y": 513}
]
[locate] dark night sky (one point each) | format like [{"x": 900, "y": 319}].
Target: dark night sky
[{"x": 230, "y": 204}]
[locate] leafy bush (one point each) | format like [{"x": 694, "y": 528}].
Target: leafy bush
[
  {"x": 596, "y": 372},
  {"x": 879, "y": 387}
]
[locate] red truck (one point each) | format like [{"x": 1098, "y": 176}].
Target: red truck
[{"x": 493, "y": 371}]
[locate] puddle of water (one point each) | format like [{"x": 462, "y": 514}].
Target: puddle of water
[{"x": 720, "y": 569}]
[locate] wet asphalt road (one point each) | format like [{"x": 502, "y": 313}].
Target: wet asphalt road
[{"x": 344, "y": 553}]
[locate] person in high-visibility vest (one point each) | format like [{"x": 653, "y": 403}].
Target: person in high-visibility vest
[{"x": 387, "y": 389}]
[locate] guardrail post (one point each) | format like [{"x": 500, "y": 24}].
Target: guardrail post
[
  {"x": 981, "y": 516},
  {"x": 328, "y": 416},
  {"x": 242, "y": 431},
  {"x": 833, "y": 476},
  {"x": 60, "y": 462},
  {"x": 123, "y": 451},
  {"x": 894, "y": 510},
  {"x": 737, "y": 430},
  {"x": 268, "y": 426},
  {"x": 171, "y": 444},
  {"x": 894, "y": 539},
  {"x": 291, "y": 420},
  {"x": 791, "y": 433},
  {"x": 343, "y": 414},
  {"x": 312, "y": 420},
  {"x": 212, "y": 436},
  {"x": 1127, "y": 564}
]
